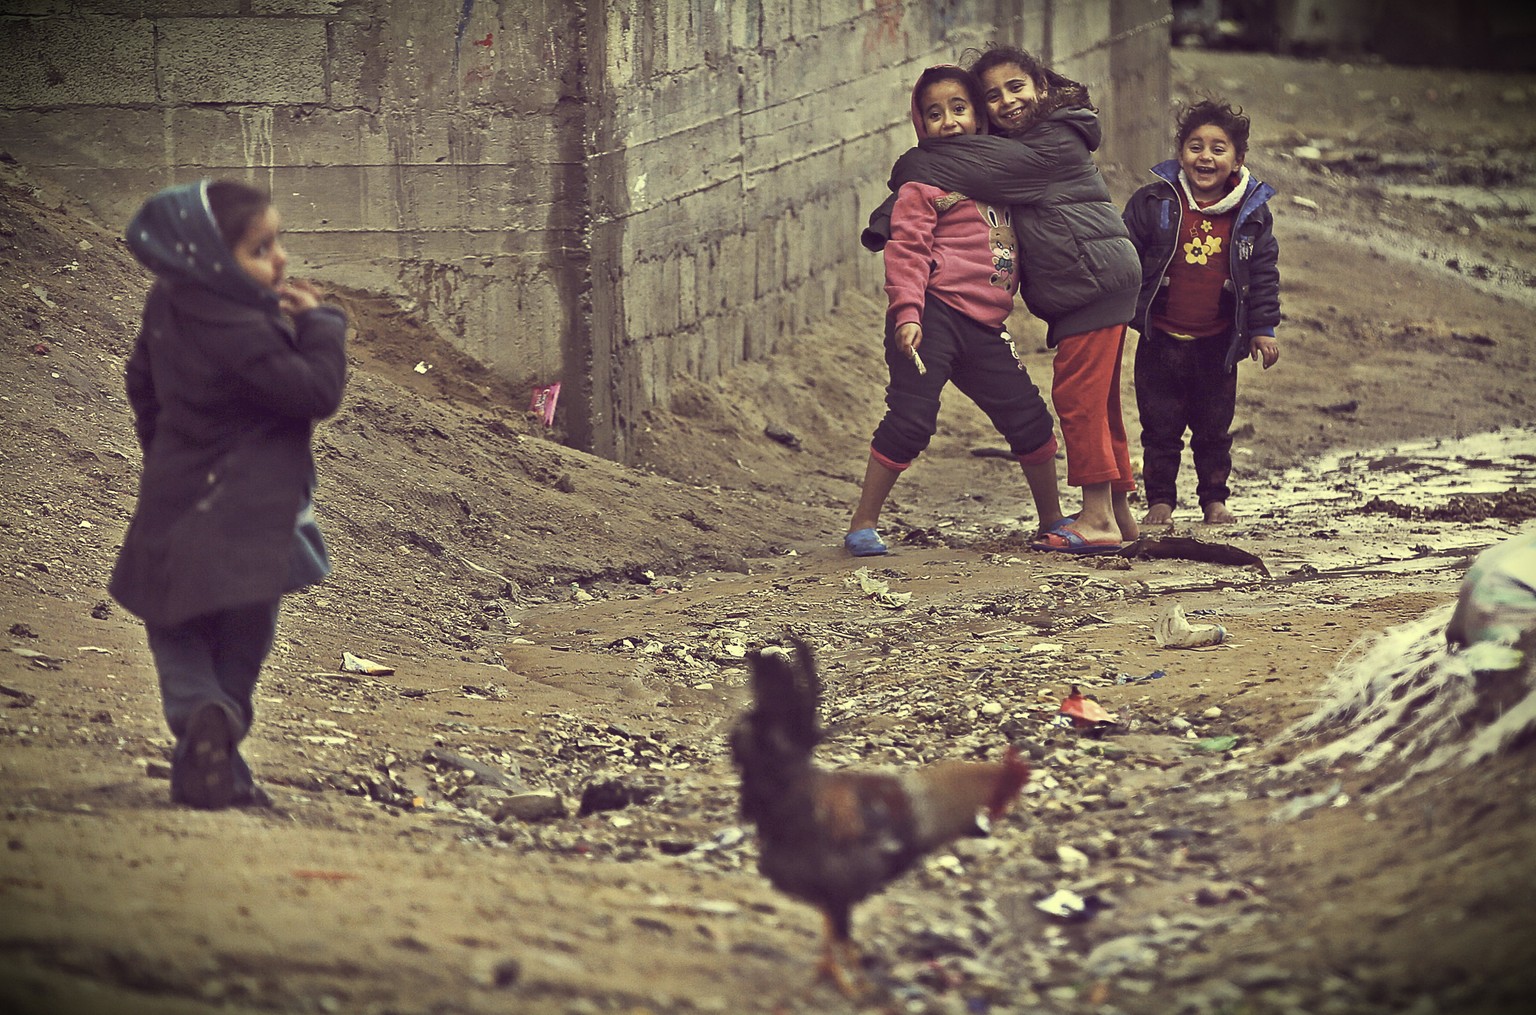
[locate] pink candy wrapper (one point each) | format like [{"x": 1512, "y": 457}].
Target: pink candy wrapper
[{"x": 544, "y": 399}]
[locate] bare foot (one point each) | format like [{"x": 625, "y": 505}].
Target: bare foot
[
  {"x": 1129, "y": 530},
  {"x": 1159, "y": 514},
  {"x": 1216, "y": 513}
]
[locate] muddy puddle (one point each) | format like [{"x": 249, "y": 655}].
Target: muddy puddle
[
  {"x": 1420, "y": 474},
  {"x": 1420, "y": 506}
]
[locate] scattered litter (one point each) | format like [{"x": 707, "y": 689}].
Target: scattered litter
[
  {"x": 1065, "y": 904},
  {"x": 1085, "y": 711},
  {"x": 1131, "y": 678},
  {"x": 1216, "y": 745},
  {"x": 356, "y": 664},
  {"x": 1173, "y": 630},
  {"x": 40, "y": 659},
  {"x": 879, "y": 590},
  {"x": 487, "y": 774},
  {"x": 543, "y": 402}
]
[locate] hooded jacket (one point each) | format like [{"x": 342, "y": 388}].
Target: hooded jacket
[
  {"x": 225, "y": 390},
  {"x": 945, "y": 246},
  {"x": 1078, "y": 270},
  {"x": 1154, "y": 216}
]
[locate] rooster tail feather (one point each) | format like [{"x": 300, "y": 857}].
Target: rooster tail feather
[{"x": 786, "y": 691}]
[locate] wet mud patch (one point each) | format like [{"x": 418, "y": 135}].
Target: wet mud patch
[{"x": 1510, "y": 506}]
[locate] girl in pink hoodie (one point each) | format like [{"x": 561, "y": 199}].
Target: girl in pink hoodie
[{"x": 950, "y": 279}]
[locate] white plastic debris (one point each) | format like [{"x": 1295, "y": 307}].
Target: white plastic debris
[{"x": 1173, "y": 630}]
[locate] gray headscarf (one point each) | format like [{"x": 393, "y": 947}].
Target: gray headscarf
[{"x": 175, "y": 236}]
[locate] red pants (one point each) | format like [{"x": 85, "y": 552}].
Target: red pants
[{"x": 1086, "y": 393}]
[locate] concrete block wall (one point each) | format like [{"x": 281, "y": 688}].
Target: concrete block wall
[
  {"x": 611, "y": 194},
  {"x": 432, "y": 149}
]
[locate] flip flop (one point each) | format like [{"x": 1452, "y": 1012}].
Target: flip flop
[
  {"x": 1065, "y": 522},
  {"x": 865, "y": 543},
  {"x": 1068, "y": 540}
]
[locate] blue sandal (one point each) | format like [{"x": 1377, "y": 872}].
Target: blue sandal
[{"x": 865, "y": 543}]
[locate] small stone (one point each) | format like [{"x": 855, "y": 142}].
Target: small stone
[{"x": 1211, "y": 713}]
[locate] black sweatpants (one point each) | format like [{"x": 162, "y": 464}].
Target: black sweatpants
[
  {"x": 1181, "y": 384},
  {"x": 981, "y": 364}
]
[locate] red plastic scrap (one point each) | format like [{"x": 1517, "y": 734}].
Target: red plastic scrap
[{"x": 1084, "y": 710}]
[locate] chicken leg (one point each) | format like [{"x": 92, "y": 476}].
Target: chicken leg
[{"x": 841, "y": 961}]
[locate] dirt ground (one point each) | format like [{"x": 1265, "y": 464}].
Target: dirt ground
[{"x": 534, "y": 812}]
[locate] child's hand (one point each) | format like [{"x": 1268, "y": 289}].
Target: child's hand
[
  {"x": 909, "y": 336},
  {"x": 296, "y": 296},
  {"x": 1266, "y": 348}
]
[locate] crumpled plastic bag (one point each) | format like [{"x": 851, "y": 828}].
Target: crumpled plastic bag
[{"x": 1497, "y": 602}]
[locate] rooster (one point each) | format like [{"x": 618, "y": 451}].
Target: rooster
[{"x": 832, "y": 838}]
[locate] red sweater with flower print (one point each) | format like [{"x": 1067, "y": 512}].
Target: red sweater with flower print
[{"x": 1197, "y": 273}]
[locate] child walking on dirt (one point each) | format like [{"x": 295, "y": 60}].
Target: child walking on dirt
[
  {"x": 1079, "y": 271},
  {"x": 1210, "y": 295},
  {"x": 949, "y": 280},
  {"x": 233, "y": 365}
]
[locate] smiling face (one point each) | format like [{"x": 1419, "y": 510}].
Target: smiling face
[
  {"x": 946, "y": 109},
  {"x": 1209, "y": 158},
  {"x": 259, "y": 254},
  {"x": 1011, "y": 96}
]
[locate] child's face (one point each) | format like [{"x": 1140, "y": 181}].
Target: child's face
[
  {"x": 1010, "y": 94},
  {"x": 259, "y": 254},
  {"x": 1209, "y": 158},
  {"x": 946, "y": 109}
]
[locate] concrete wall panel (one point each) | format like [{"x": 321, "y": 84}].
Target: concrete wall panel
[
  {"x": 76, "y": 61},
  {"x": 607, "y": 194},
  {"x": 125, "y": 8},
  {"x": 249, "y": 60}
]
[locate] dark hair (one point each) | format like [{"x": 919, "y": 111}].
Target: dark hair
[
  {"x": 1057, "y": 91},
  {"x": 979, "y": 61},
  {"x": 234, "y": 205},
  {"x": 1215, "y": 113},
  {"x": 967, "y": 80}
]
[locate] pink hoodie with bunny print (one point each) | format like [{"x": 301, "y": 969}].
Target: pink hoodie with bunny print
[{"x": 945, "y": 245}]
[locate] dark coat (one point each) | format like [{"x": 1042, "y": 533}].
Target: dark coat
[
  {"x": 1078, "y": 270},
  {"x": 1155, "y": 214},
  {"x": 225, "y": 394}
]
